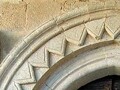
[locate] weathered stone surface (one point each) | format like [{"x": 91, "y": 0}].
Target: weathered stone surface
[
  {"x": 20, "y": 17},
  {"x": 57, "y": 37},
  {"x": 10, "y": 1}
]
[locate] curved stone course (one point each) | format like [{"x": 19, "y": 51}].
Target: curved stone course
[{"x": 84, "y": 28}]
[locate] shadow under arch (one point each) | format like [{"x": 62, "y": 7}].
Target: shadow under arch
[{"x": 77, "y": 70}]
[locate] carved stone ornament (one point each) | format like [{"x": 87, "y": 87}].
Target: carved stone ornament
[{"x": 67, "y": 52}]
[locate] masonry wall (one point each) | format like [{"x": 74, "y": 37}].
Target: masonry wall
[{"x": 20, "y": 17}]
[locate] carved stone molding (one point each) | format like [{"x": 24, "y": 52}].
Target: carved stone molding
[
  {"x": 84, "y": 28},
  {"x": 80, "y": 68}
]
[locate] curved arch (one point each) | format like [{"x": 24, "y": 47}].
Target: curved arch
[
  {"x": 73, "y": 72},
  {"x": 52, "y": 29}
]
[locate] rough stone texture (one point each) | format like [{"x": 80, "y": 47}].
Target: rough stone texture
[
  {"x": 12, "y": 24},
  {"x": 10, "y": 1},
  {"x": 20, "y": 17},
  {"x": 61, "y": 31}
]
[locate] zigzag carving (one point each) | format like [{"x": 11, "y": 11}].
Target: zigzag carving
[
  {"x": 96, "y": 31},
  {"x": 30, "y": 80},
  {"x": 96, "y": 28},
  {"x": 80, "y": 39}
]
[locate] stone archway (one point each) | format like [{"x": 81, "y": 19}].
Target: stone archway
[
  {"x": 81, "y": 30},
  {"x": 78, "y": 69}
]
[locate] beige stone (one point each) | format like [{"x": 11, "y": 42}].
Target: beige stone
[
  {"x": 11, "y": 1},
  {"x": 58, "y": 44}
]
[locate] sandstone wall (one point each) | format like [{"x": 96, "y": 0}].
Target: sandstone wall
[
  {"x": 20, "y": 17},
  {"x": 51, "y": 39}
]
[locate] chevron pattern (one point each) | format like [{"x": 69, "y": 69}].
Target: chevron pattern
[
  {"x": 26, "y": 81},
  {"x": 76, "y": 36}
]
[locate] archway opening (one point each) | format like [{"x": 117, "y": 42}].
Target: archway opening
[{"x": 106, "y": 83}]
